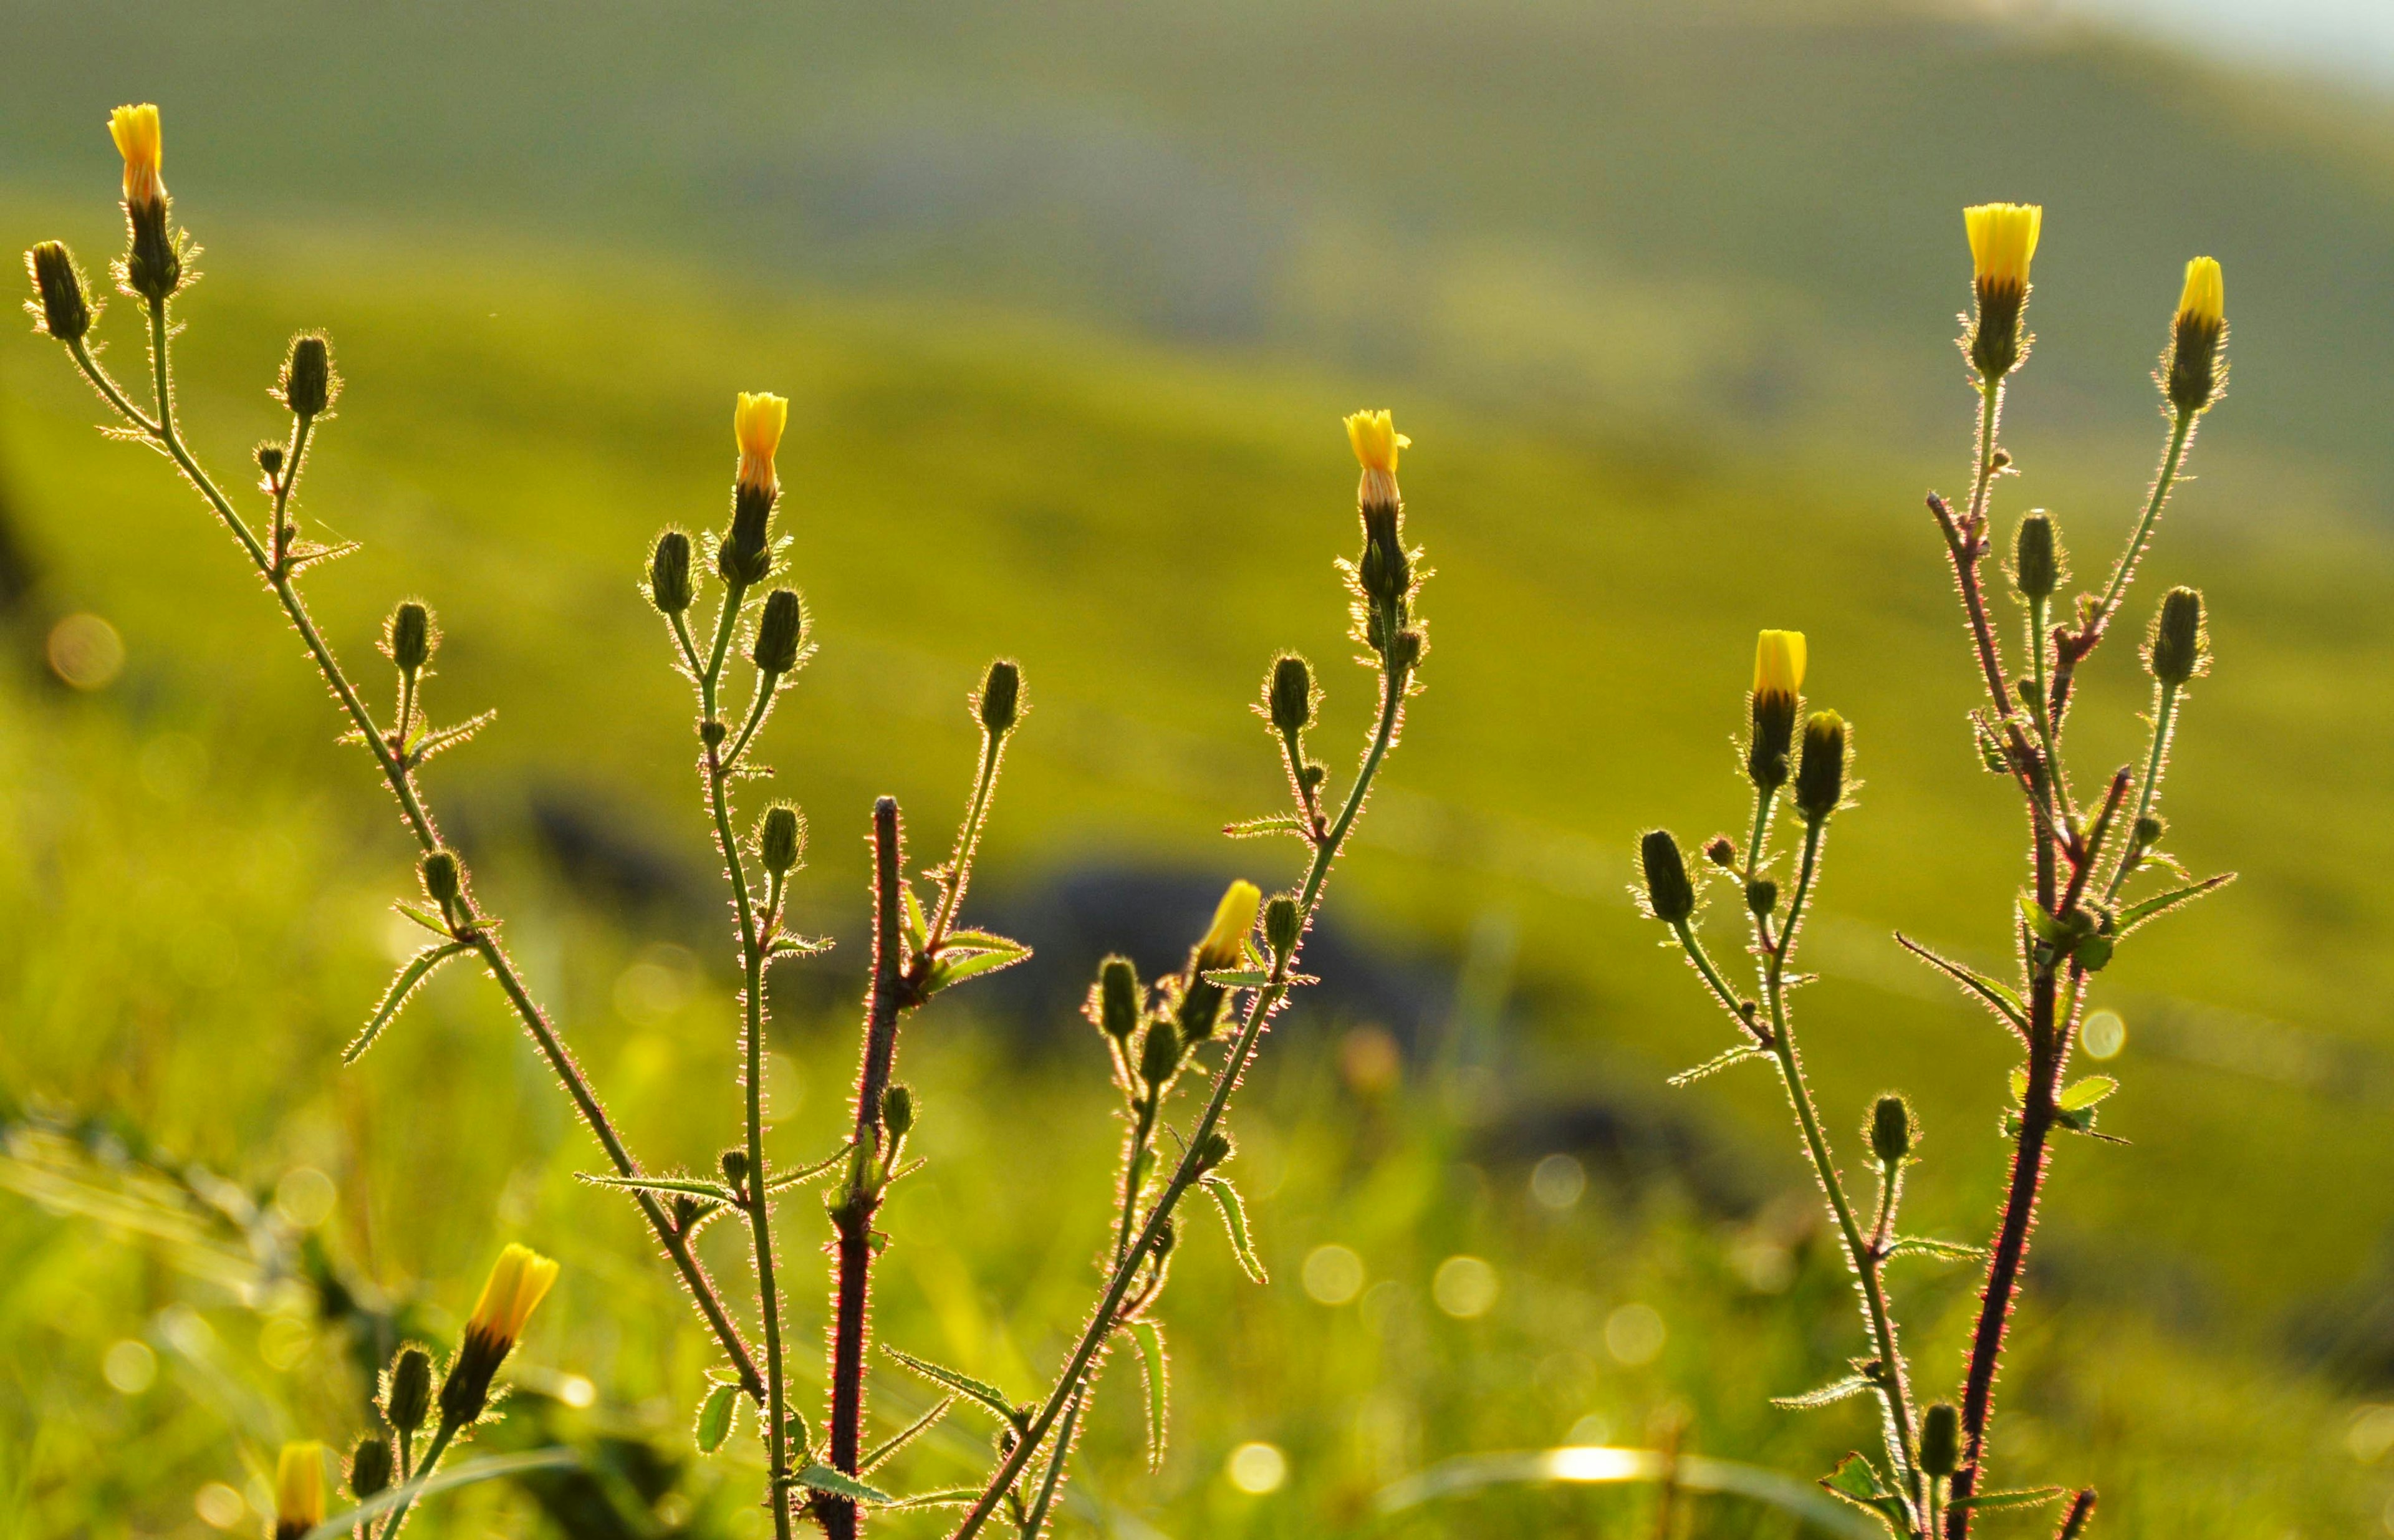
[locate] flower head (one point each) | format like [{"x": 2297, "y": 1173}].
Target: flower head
[
  {"x": 2204, "y": 301},
  {"x": 1376, "y": 442},
  {"x": 298, "y": 1489},
  {"x": 518, "y": 1281},
  {"x": 758, "y": 423},
  {"x": 134, "y": 129},
  {"x": 2002, "y": 240},
  {"x": 1778, "y": 663},
  {"x": 1234, "y": 918},
  {"x": 2193, "y": 372}
]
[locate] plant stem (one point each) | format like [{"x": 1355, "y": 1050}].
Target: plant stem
[
  {"x": 2090, "y": 632},
  {"x": 1268, "y": 999},
  {"x": 476, "y": 925},
  {"x": 432, "y": 1453},
  {"x": 2164, "y": 718}
]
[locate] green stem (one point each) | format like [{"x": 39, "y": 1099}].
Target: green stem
[
  {"x": 432, "y": 1453},
  {"x": 2181, "y": 428},
  {"x": 1103, "y": 1321},
  {"x": 2164, "y": 716},
  {"x": 968, "y": 842},
  {"x": 1763, "y": 798}
]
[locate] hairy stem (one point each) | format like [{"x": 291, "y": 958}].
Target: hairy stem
[{"x": 2090, "y": 631}]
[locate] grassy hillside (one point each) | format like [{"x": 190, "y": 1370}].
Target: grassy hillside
[{"x": 198, "y": 875}]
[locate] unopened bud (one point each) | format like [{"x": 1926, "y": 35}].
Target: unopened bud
[
  {"x": 1761, "y": 897},
  {"x": 780, "y": 836},
  {"x": 898, "y": 1111},
  {"x": 778, "y": 632},
  {"x": 1779, "y": 662},
  {"x": 1668, "y": 892},
  {"x": 407, "y": 1394},
  {"x": 269, "y": 459},
  {"x": 735, "y": 1163},
  {"x": 1213, "y": 1149},
  {"x": 65, "y": 313},
  {"x": 669, "y": 585},
  {"x": 999, "y": 701},
  {"x": 370, "y": 1467},
  {"x": 410, "y": 637},
  {"x": 2037, "y": 557},
  {"x": 1116, "y": 1008},
  {"x": 1820, "y": 779},
  {"x": 1893, "y": 1130},
  {"x": 1283, "y": 924},
  {"x": 1941, "y": 1439},
  {"x": 2177, "y": 647},
  {"x": 1159, "y": 1055},
  {"x": 1291, "y": 694},
  {"x": 442, "y": 878},
  {"x": 1720, "y": 853},
  {"x": 308, "y": 385},
  {"x": 2193, "y": 373},
  {"x": 2149, "y": 832},
  {"x": 1166, "y": 1236}
]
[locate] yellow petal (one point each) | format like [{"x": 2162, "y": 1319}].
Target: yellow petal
[
  {"x": 2204, "y": 301},
  {"x": 1233, "y": 918},
  {"x": 2002, "y": 240},
  {"x": 1778, "y": 659},
  {"x": 134, "y": 129},
  {"x": 758, "y": 423},
  {"x": 1376, "y": 441},
  {"x": 300, "y": 1486}
]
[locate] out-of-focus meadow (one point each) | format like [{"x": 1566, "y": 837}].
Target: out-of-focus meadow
[{"x": 1067, "y": 304}]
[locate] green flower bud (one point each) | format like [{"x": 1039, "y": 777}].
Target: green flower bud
[
  {"x": 410, "y": 637},
  {"x": 1283, "y": 924},
  {"x": 308, "y": 385},
  {"x": 1115, "y": 1008},
  {"x": 734, "y": 1162},
  {"x": 669, "y": 585},
  {"x": 1000, "y": 700},
  {"x": 66, "y": 314},
  {"x": 778, "y": 633},
  {"x": 1941, "y": 1439},
  {"x": 1893, "y": 1130},
  {"x": 1159, "y": 1055},
  {"x": 1668, "y": 892},
  {"x": 2177, "y": 649},
  {"x": 1761, "y": 897},
  {"x": 781, "y": 837},
  {"x": 1820, "y": 779},
  {"x": 370, "y": 1467},
  {"x": 1721, "y": 853},
  {"x": 269, "y": 459},
  {"x": 443, "y": 877},
  {"x": 898, "y": 1111},
  {"x": 745, "y": 557},
  {"x": 1166, "y": 1236},
  {"x": 2037, "y": 557},
  {"x": 1213, "y": 1149},
  {"x": 407, "y": 1390},
  {"x": 1290, "y": 693}
]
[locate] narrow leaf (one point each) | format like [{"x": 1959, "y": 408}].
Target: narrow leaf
[
  {"x": 433, "y": 742},
  {"x": 822, "y": 1478},
  {"x": 987, "y": 1394},
  {"x": 418, "y": 968},
  {"x": 1234, "y": 1219},
  {"x": 1996, "y": 997},
  {"x": 1152, "y": 1365},
  {"x": 1980, "y": 1502},
  {"x": 2087, "y": 1093},
  {"x": 963, "y": 1496},
  {"x": 899, "y": 1441},
  {"x": 714, "y": 1416},
  {"x": 1858, "y": 1481},
  {"x": 2047, "y": 929},
  {"x": 2154, "y": 908},
  {"x": 1924, "y": 1245},
  {"x": 696, "y": 1187},
  {"x": 807, "y": 1173},
  {"x": 1257, "y": 828},
  {"x": 341, "y": 1526},
  {"x": 426, "y": 918},
  {"x": 2019, "y": 1087},
  {"x": 1827, "y": 1395},
  {"x": 1738, "y": 1055},
  {"x": 980, "y": 940},
  {"x": 917, "y": 930},
  {"x": 947, "y": 971},
  {"x": 796, "y": 946}
]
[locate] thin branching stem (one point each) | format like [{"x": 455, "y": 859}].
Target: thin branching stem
[{"x": 2156, "y": 760}]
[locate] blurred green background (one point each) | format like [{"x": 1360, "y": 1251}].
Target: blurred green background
[{"x": 1067, "y": 300}]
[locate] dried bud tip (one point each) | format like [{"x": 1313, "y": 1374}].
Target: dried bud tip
[{"x": 1720, "y": 853}]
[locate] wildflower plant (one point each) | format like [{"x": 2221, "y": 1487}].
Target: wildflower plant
[
  {"x": 1192, "y": 1034},
  {"x": 2096, "y": 873}
]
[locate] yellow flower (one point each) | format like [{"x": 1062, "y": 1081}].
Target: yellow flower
[
  {"x": 2205, "y": 303},
  {"x": 134, "y": 129},
  {"x": 1778, "y": 663},
  {"x": 1234, "y": 918},
  {"x": 518, "y": 1281},
  {"x": 758, "y": 423},
  {"x": 299, "y": 1489},
  {"x": 1376, "y": 441},
  {"x": 2002, "y": 239}
]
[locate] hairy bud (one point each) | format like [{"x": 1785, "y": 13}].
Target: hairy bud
[
  {"x": 778, "y": 633},
  {"x": 1159, "y": 1054},
  {"x": 1290, "y": 693},
  {"x": 669, "y": 582},
  {"x": 1116, "y": 1005},
  {"x": 1213, "y": 1149},
  {"x": 410, "y": 637},
  {"x": 1668, "y": 892},
  {"x": 1820, "y": 779},
  {"x": 2037, "y": 557},
  {"x": 308, "y": 385},
  {"x": 2178, "y": 650},
  {"x": 407, "y": 1393},
  {"x": 898, "y": 1111},
  {"x": 1761, "y": 897},
  {"x": 781, "y": 837},
  {"x": 370, "y": 1467},
  {"x": 999, "y": 703},
  {"x": 1720, "y": 853},
  {"x": 1941, "y": 1439},
  {"x": 443, "y": 877},
  {"x": 1893, "y": 1130},
  {"x": 66, "y": 314},
  {"x": 735, "y": 1163},
  {"x": 1283, "y": 924}
]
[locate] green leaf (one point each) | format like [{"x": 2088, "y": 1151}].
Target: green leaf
[
  {"x": 1981, "y": 1502},
  {"x": 2082, "y": 1123},
  {"x": 426, "y": 918},
  {"x": 1996, "y": 996},
  {"x": 1257, "y": 828},
  {"x": 1858, "y": 1481},
  {"x": 419, "y": 967},
  {"x": 2019, "y": 1087},
  {"x": 1738, "y": 1055},
  {"x": 1925, "y": 1245},
  {"x": 714, "y": 1416},
  {"x": 807, "y": 1173},
  {"x": 2087, "y": 1093},
  {"x": 962, "y": 1496},
  {"x": 2154, "y": 908},
  {"x": 979, "y": 940},
  {"x": 822, "y": 1478},
  {"x": 955, "y": 970},
  {"x": 795, "y": 946},
  {"x": 1827, "y": 1395},
  {"x": 987, "y": 1394},
  {"x": 1152, "y": 1365},
  {"x": 1234, "y": 1219},
  {"x": 899, "y": 1441},
  {"x": 696, "y": 1187},
  {"x": 2093, "y": 952},
  {"x": 917, "y": 931},
  {"x": 431, "y": 743},
  {"x": 2047, "y": 927}
]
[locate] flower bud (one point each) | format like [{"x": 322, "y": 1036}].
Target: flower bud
[
  {"x": 999, "y": 703},
  {"x": 407, "y": 1393},
  {"x": 1669, "y": 894},
  {"x": 898, "y": 1111},
  {"x": 154, "y": 261},
  {"x": 442, "y": 878},
  {"x": 410, "y": 637},
  {"x": 669, "y": 583},
  {"x": 1941, "y": 1439},
  {"x": 2003, "y": 242},
  {"x": 65, "y": 313},
  {"x": 2037, "y": 557},
  {"x": 308, "y": 385},
  {"x": 1893, "y": 1130},
  {"x": 778, "y": 633},
  {"x": 734, "y": 1166},
  {"x": 1213, "y": 1149},
  {"x": 1761, "y": 897},
  {"x": 1721, "y": 853},
  {"x": 138, "y": 139},
  {"x": 1290, "y": 693},
  {"x": 758, "y": 423},
  {"x": 2191, "y": 370},
  {"x": 370, "y": 1467},
  {"x": 2177, "y": 649},
  {"x": 1283, "y": 924},
  {"x": 298, "y": 1489},
  {"x": 519, "y": 1279},
  {"x": 1115, "y": 1004},
  {"x": 781, "y": 837},
  {"x": 1226, "y": 938},
  {"x": 1159, "y": 1054},
  {"x": 269, "y": 459},
  {"x": 1820, "y": 779},
  {"x": 1167, "y": 1236},
  {"x": 1376, "y": 442},
  {"x": 1778, "y": 659}
]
